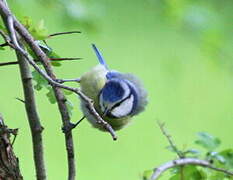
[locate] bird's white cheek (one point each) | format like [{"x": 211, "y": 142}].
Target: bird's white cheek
[{"x": 124, "y": 108}]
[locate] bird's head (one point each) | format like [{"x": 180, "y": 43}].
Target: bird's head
[{"x": 118, "y": 98}]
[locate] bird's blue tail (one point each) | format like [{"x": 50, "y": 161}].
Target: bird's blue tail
[{"x": 99, "y": 56}]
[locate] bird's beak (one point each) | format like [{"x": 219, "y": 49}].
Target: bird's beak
[{"x": 106, "y": 112}]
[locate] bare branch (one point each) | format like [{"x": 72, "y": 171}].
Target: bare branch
[
  {"x": 62, "y": 33},
  {"x": 168, "y": 136},
  {"x": 36, "y": 60},
  {"x": 6, "y": 38},
  {"x": 9, "y": 63},
  {"x": 9, "y": 165},
  {"x": 186, "y": 161},
  {"x": 68, "y": 80},
  {"x": 33, "y": 117},
  {"x": 64, "y": 59}
]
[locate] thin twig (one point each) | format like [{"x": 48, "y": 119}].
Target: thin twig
[
  {"x": 6, "y": 38},
  {"x": 68, "y": 80},
  {"x": 36, "y": 60},
  {"x": 64, "y": 59},
  {"x": 62, "y": 33},
  {"x": 169, "y": 138},
  {"x": 9, "y": 63},
  {"x": 33, "y": 116},
  {"x": 20, "y": 100},
  {"x": 186, "y": 161}
]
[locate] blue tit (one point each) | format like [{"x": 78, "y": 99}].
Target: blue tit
[{"x": 117, "y": 96}]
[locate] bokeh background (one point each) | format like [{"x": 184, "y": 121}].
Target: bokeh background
[{"x": 182, "y": 51}]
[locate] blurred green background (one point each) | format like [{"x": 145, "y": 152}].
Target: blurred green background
[{"x": 182, "y": 51}]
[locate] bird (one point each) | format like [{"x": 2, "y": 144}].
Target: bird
[{"x": 117, "y": 96}]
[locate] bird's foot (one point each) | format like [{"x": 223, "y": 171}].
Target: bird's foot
[{"x": 69, "y": 127}]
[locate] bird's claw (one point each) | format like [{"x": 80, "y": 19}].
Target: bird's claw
[{"x": 68, "y": 128}]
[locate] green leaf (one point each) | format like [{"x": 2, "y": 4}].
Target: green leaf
[
  {"x": 26, "y": 21},
  {"x": 147, "y": 174},
  {"x": 207, "y": 141},
  {"x": 215, "y": 155},
  {"x": 40, "y": 80},
  {"x": 2, "y": 48},
  {"x": 56, "y": 64},
  {"x": 170, "y": 148},
  {"x": 39, "y": 32},
  {"x": 193, "y": 152},
  {"x": 67, "y": 92},
  {"x": 70, "y": 107},
  {"x": 51, "y": 96},
  {"x": 216, "y": 176},
  {"x": 228, "y": 156},
  {"x": 52, "y": 54},
  {"x": 190, "y": 172},
  {"x": 49, "y": 52}
]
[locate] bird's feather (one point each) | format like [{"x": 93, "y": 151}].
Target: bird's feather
[{"x": 99, "y": 56}]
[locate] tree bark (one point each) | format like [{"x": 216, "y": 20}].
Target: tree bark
[{"x": 9, "y": 164}]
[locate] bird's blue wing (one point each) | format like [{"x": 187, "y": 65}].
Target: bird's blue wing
[{"x": 99, "y": 56}]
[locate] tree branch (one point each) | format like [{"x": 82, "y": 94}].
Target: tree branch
[
  {"x": 33, "y": 117},
  {"x": 51, "y": 59},
  {"x": 43, "y": 58},
  {"x": 182, "y": 161},
  {"x": 62, "y": 33},
  {"x": 9, "y": 164},
  {"x": 168, "y": 136},
  {"x": 186, "y": 161},
  {"x": 11, "y": 22}
]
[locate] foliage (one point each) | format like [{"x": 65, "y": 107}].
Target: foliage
[
  {"x": 39, "y": 32},
  {"x": 219, "y": 159}
]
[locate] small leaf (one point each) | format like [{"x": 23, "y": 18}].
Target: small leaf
[
  {"x": 39, "y": 32},
  {"x": 70, "y": 107},
  {"x": 51, "y": 96},
  {"x": 147, "y": 174},
  {"x": 49, "y": 52},
  {"x": 192, "y": 152},
  {"x": 207, "y": 141},
  {"x": 40, "y": 80},
  {"x": 2, "y": 48},
  {"x": 46, "y": 49},
  {"x": 228, "y": 156},
  {"x": 215, "y": 155},
  {"x": 216, "y": 176},
  {"x": 67, "y": 92},
  {"x": 56, "y": 64},
  {"x": 26, "y": 21},
  {"x": 52, "y": 54},
  {"x": 190, "y": 172}
]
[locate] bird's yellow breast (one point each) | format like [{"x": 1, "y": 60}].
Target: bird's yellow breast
[{"x": 93, "y": 81}]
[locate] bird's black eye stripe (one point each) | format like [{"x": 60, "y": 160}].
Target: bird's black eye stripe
[{"x": 119, "y": 103}]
